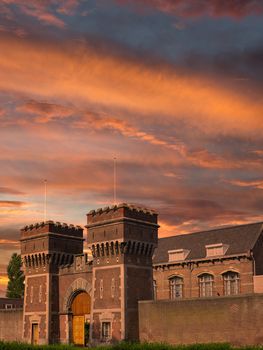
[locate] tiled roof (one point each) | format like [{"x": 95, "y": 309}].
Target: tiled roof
[{"x": 239, "y": 238}]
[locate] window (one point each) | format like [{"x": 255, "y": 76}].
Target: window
[
  {"x": 206, "y": 282},
  {"x": 8, "y": 306},
  {"x": 176, "y": 287},
  {"x": 154, "y": 290},
  {"x": 231, "y": 283},
  {"x": 105, "y": 330},
  {"x": 216, "y": 249},
  {"x": 178, "y": 254}
]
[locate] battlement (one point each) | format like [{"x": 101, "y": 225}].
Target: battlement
[
  {"x": 51, "y": 227},
  {"x": 122, "y": 210}
]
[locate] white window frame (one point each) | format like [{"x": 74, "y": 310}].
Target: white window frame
[
  {"x": 105, "y": 330},
  {"x": 176, "y": 284},
  {"x": 206, "y": 285},
  {"x": 231, "y": 281}
]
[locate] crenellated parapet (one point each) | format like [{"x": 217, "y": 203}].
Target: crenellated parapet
[
  {"x": 123, "y": 210},
  {"x": 51, "y": 227},
  {"x": 49, "y": 245},
  {"x": 122, "y": 230}
]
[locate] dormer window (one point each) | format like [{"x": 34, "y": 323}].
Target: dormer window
[
  {"x": 216, "y": 249},
  {"x": 178, "y": 254}
]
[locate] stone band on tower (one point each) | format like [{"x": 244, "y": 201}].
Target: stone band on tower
[{"x": 122, "y": 239}]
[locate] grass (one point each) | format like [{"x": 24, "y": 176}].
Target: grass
[{"x": 128, "y": 346}]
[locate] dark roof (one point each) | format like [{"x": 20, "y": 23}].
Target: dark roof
[
  {"x": 15, "y": 302},
  {"x": 239, "y": 238}
]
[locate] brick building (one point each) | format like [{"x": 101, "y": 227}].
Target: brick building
[
  {"x": 219, "y": 262},
  {"x": 11, "y": 303},
  {"x": 70, "y": 295}
]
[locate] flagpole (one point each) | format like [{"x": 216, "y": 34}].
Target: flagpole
[
  {"x": 114, "y": 180},
  {"x": 45, "y": 200}
]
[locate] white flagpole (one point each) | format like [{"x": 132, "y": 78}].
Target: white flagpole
[
  {"x": 45, "y": 200},
  {"x": 114, "y": 180}
]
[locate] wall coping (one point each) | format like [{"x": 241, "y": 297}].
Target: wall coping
[{"x": 198, "y": 299}]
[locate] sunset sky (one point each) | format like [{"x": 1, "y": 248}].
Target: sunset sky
[{"x": 172, "y": 88}]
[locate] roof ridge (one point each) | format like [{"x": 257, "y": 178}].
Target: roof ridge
[{"x": 214, "y": 229}]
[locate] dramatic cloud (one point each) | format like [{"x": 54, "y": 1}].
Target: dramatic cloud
[
  {"x": 47, "y": 11},
  {"x": 256, "y": 183},
  {"x": 45, "y": 112},
  {"x": 181, "y": 110},
  {"x": 103, "y": 79},
  {"x": 11, "y": 203},
  {"x": 243, "y": 67},
  {"x": 6, "y": 190},
  {"x": 197, "y": 8}
]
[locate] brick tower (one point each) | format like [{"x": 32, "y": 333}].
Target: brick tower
[
  {"x": 45, "y": 247},
  {"x": 122, "y": 239}
]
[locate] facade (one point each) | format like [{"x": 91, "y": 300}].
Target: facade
[
  {"x": 221, "y": 262},
  {"x": 71, "y": 297}
]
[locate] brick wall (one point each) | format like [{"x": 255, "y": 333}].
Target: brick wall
[
  {"x": 190, "y": 275},
  {"x": 11, "y": 325},
  {"x": 236, "y": 320}
]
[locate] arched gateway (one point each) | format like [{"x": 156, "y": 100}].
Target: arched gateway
[{"x": 77, "y": 303}]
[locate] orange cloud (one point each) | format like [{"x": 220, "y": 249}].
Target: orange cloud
[
  {"x": 255, "y": 184},
  {"x": 45, "y": 111},
  {"x": 88, "y": 77},
  {"x": 6, "y": 190},
  {"x": 11, "y": 203}
]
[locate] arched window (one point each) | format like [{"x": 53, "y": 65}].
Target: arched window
[
  {"x": 206, "y": 282},
  {"x": 231, "y": 283},
  {"x": 176, "y": 287}
]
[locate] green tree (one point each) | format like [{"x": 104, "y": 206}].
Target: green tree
[{"x": 15, "y": 286}]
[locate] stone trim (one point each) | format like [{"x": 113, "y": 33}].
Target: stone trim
[{"x": 79, "y": 285}]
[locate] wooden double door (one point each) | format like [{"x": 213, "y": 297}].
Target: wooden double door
[{"x": 80, "y": 308}]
